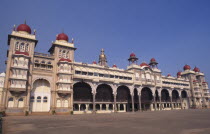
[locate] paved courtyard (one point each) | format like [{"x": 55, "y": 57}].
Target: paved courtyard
[{"x": 159, "y": 122}]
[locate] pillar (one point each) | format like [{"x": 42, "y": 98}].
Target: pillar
[
  {"x": 139, "y": 102},
  {"x": 132, "y": 99},
  {"x": 115, "y": 104},
  {"x": 160, "y": 103},
  {"x": 94, "y": 103},
  {"x": 171, "y": 103}
]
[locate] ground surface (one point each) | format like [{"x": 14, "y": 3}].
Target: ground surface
[{"x": 159, "y": 122}]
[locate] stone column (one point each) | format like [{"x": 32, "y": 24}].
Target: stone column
[
  {"x": 139, "y": 102},
  {"x": 160, "y": 103},
  {"x": 94, "y": 103},
  {"x": 171, "y": 103},
  {"x": 132, "y": 99},
  {"x": 115, "y": 104}
]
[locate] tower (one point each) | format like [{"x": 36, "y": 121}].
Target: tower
[
  {"x": 63, "y": 51},
  {"x": 19, "y": 62},
  {"x": 102, "y": 58}
]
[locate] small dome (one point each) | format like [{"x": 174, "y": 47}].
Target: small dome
[
  {"x": 153, "y": 60},
  {"x": 196, "y": 69},
  {"x": 94, "y": 62},
  {"x": 187, "y": 67},
  {"x": 168, "y": 75},
  {"x": 144, "y": 64},
  {"x": 24, "y": 28},
  {"x": 62, "y": 36},
  {"x": 179, "y": 73},
  {"x": 132, "y": 55},
  {"x": 114, "y": 66}
]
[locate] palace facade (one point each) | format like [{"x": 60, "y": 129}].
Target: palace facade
[{"x": 55, "y": 82}]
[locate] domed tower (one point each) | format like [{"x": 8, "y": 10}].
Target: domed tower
[
  {"x": 153, "y": 63},
  {"x": 63, "y": 52},
  {"x": 19, "y": 65},
  {"x": 102, "y": 58},
  {"x": 132, "y": 59}
]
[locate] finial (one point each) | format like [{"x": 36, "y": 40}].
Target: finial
[
  {"x": 72, "y": 40},
  {"x": 34, "y": 31},
  {"x": 25, "y": 22},
  {"x": 102, "y": 50}
]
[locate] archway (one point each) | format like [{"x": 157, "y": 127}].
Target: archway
[
  {"x": 82, "y": 92},
  {"x": 40, "y": 96},
  {"x": 104, "y": 93},
  {"x": 146, "y": 98},
  {"x": 185, "y": 101},
  {"x": 123, "y": 96},
  {"x": 165, "y": 96},
  {"x": 175, "y": 96}
]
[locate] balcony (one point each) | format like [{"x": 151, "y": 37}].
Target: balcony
[{"x": 13, "y": 89}]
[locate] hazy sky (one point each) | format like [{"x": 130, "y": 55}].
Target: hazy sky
[{"x": 174, "y": 32}]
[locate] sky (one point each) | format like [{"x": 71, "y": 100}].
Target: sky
[{"x": 174, "y": 32}]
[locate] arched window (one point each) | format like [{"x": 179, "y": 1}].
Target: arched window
[
  {"x": 17, "y": 46},
  {"x": 38, "y": 99},
  {"x": 20, "y": 102},
  {"x": 45, "y": 99},
  {"x": 27, "y": 47},
  {"x": 22, "y": 49},
  {"x": 60, "y": 53},
  {"x": 11, "y": 102},
  {"x": 32, "y": 99},
  {"x": 43, "y": 62},
  {"x": 36, "y": 61},
  {"x": 64, "y": 54},
  {"x": 49, "y": 63}
]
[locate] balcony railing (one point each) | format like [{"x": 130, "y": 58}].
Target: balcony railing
[{"x": 43, "y": 55}]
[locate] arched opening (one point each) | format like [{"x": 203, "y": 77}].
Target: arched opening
[
  {"x": 20, "y": 103},
  {"x": 123, "y": 95},
  {"x": 175, "y": 96},
  {"x": 82, "y": 92},
  {"x": 184, "y": 94},
  {"x": 104, "y": 93},
  {"x": 10, "y": 102},
  {"x": 146, "y": 98},
  {"x": 165, "y": 96},
  {"x": 40, "y": 96},
  {"x": 185, "y": 101}
]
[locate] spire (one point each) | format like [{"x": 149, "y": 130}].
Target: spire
[{"x": 102, "y": 58}]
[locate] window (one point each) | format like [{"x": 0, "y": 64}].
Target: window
[
  {"x": 116, "y": 76},
  {"x": 27, "y": 48},
  {"x": 45, "y": 99},
  {"x": 95, "y": 74},
  {"x": 111, "y": 76},
  {"x": 84, "y": 73},
  {"x": 106, "y": 75},
  {"x": 90, "y": 73},
  {"x": 101, "y": 75},
  {"x": 77, "y": 72},
  {"x": 38, "y": 99},
  {"x": 22, "y": 49},
  {"x": 43, "y": 62},
  {"x": 17, "y": 46},
  {"x": 32, "y": 99},
  {"x": 10, "y": 99}
]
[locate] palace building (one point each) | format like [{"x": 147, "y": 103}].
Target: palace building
[{"x": 56, "y": 83}]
